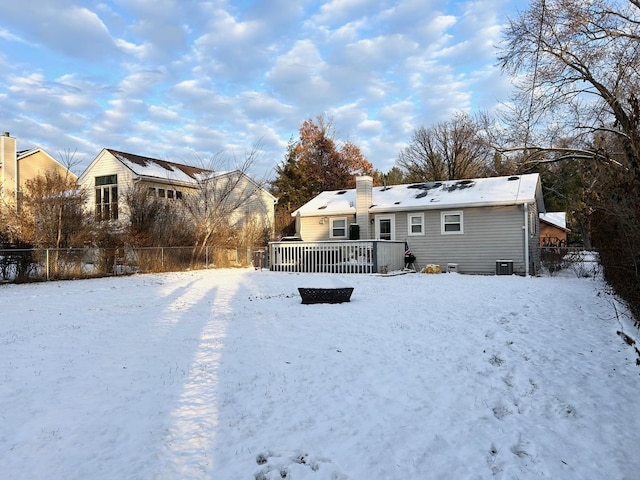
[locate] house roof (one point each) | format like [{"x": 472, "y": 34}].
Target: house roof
[
  {"x": 161, "y": 169},
  {"x": 556, "y": 219},
  {"x": 478, "y": 192}
]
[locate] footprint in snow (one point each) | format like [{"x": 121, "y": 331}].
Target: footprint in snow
[
  {"x": 501, "y": 411},
  {"x": 566, "y": 410},
  {"x": 496, "y": 361}
]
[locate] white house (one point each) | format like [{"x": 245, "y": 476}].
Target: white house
[{"x": 113, "y": 173}]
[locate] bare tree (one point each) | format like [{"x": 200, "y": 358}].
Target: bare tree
[
  {"x": 579, "y": 64},
  {"x": 154, "y": 221},
  {"x": 52, "y": 212},
  {"x": 49, "y": 212},
  {"x": 449, "y": 150},
  {"x": 225, "y": 198}
]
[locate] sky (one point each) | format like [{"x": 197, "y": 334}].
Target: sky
[
  {"x": 224, "y": 374},
  {"x": 190, "y": 81}
]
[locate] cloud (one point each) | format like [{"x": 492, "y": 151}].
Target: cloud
[
  {"x": 190, "y": 79},
  {"x": 66, "y": 29},
  {"x": 7, "y": 35}
]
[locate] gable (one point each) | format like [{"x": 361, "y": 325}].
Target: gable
[{"x": 36, "y": 162}]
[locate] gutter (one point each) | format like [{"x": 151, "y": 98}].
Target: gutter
[{"x": 526, "y": 238}]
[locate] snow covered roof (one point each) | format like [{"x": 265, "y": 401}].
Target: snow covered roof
[
  {"x": 517, "y": 189},
  {"x": 162, "y": 169},
  {"x": 557, "y": 219}
]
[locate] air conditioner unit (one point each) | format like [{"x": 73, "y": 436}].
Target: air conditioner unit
[{"x": 504, "y": 267}]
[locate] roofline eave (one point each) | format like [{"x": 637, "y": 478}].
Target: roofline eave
[
  {"x": 166, "y": 181},
  {"x": 413, "y": 208}
]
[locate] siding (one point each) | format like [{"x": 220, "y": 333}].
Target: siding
[
  {"x": 245, "y": 200},
  {"x": 311, "y": 230},
  {"x": 39, "y": 163},
  {"x": 490, "y": 234}
]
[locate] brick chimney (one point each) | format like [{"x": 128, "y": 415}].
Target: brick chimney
[{"x": 364, "y": 199}]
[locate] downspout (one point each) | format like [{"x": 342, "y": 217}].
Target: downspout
[{"x": 526, "y": 239}]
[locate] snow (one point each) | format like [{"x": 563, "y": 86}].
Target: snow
[
  {"x": 224, "y": 374},
  {"x": 559, "y": 219},
  {"x": 435, "y": 195}
]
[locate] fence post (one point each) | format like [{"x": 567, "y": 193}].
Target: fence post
[
  {"x": 162, "y": 258},
  {"x": 206, "y": 257},
  {"x": 47, "y": 263}
]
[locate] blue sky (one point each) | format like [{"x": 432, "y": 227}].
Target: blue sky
[{"x": 187, "y": 80}]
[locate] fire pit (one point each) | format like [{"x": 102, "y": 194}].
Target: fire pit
[{"x": 325, "y": 295}]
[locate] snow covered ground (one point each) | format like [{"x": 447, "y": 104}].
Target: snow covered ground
[{"x": 224, "y": 374}]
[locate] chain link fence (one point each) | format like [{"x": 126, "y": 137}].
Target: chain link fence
[
  {"x": 575, "y": 260},
  {"x": 29, "y": 265}
]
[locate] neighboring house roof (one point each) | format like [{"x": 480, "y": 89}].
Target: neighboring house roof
[
  {"x": 161, "y": 169},
  {"x": 479, "y": 192},
  {"x": 555, "y": 219}
]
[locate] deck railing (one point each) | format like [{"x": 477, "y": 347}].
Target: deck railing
[{"x": 348, "y": 256}]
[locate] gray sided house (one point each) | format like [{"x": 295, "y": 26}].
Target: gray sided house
[{"x": 468, "y": 224}]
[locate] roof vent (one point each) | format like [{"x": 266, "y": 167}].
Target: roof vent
[
  {"x": 341, "y": 192},
  {"x": 515, "y": 177}
]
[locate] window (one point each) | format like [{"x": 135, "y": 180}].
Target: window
[
  {"x": 161, "y": 192},
  {"x": 385, "y": 227},
  {"x": 178, "y": 195},
  {"x": 169, "y": 193},
  {"x": 451, "y": 223},
  {"x": 338, "y": 228},
  {"x": 107, "y": 197},
  {"x": 415, "y": 223}
]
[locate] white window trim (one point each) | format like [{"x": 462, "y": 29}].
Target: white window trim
[
  {"x": 346, "y": 231},
  {"x": 409, "y": 224},
  {"x": 442, "y": 222},
  {"x": 393, "y": 225}
]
